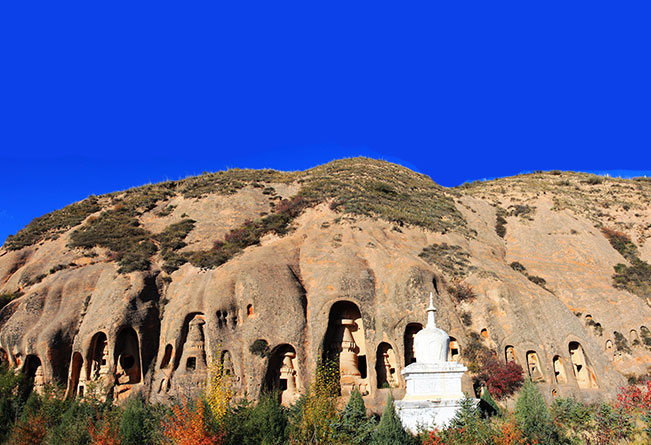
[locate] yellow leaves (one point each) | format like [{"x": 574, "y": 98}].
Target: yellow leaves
[{"x": 219, "y": 391}]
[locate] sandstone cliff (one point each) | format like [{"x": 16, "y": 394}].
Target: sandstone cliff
[{"x": 268, "y": 271}]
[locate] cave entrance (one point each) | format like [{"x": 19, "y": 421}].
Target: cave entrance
[{"x": 345, "y": 342}]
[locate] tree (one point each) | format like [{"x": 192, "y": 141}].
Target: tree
[
  {"x": 187, "y": 425},
  {"x": 139, "y": 422},
  {"x": 533, "y": 416},
  {"x": 502, "y": 379},
  {"x": 263, "y": 423},
  {"x": 219, "y": 391},
  {"x": 390, "y": 431},
  {"x": 468, "y": 421},
  {"x": 612, "y": 425},
  {"x": 353, "y": 425},
  {"x": 315, "y": 412}
]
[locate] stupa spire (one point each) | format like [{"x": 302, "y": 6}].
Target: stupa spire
[{"x": 431, "y": 312}]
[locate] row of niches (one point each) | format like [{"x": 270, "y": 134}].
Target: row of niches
[
  {"x": 91, "y": 371},
  {"x": 619, "y": 344},
  {"x": 581, "y": 367}
]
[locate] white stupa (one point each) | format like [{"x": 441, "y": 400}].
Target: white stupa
[{"x": 433, "y": 383}]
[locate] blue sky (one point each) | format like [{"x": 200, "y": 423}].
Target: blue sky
[{"x": 97, "y": 97}]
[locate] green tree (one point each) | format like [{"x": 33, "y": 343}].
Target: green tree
[
  {"x": 389, "y": 430},
  {"x": 353, "y": 425},
  {"x": 12, "y": 398},
  {"x": 139, "y": 422},
  {"x": 533, "y": 416},
  {"x": 263, "y": 423},
  {"x": 468, "y": 419},
  {"x": 573, "y": 419},
  {"x": 611, "y": 425}
]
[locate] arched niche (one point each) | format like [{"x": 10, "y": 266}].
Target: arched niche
[
  {"x": 410, "y": 332},
  {"x": 386, "y": 366},
  {"x": 249, "y": 310},
  {"x": 484, "y": 333},
  {"x": 282, "y": 373},
  {"x": 193, "y": 357},
  {"x": 454, "y": 351},
  {"x": 33, "y": 369},
  {"x": 74, "y": 386},
  {"x": 559, "y": 370},
  {"x": 509, "y": 354},
  {"x": 635, "y": 339},
  {"x": 127, "y": 357},
  {"x": 167, "y": 357},
  {"x": 192, "y": 342},
  {"x": 227, "y": 363},
  {"x": 585, "y": 377},
  {"x": 534, "y": 368},
  {"x": 97, "y": 365},
  {"x": 345, "y": 342}
]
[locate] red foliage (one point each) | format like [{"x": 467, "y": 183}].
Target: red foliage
[
  {"x": 445, "y": 437},
  {"x": 501, "y": 379},
  {"x": 291, "y": 207},
  {"x": 634, "y": 397},
  {"x": 105, "y": 434},
  {"x": 32, "y": 431},
  {"x": 616, "y": 235},
  {"x": 510, "y": 434},
  {"x": 187, "y": 426}
]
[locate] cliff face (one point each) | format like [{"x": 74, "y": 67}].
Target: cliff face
[{"x": 266, "y": 272}]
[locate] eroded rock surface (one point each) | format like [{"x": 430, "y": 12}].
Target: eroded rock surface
[{"x": 339, "y": 282}]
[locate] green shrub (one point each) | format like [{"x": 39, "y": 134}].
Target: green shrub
[
  {"x": 573, "y": 419},
  {"x": 73, "y": 424},
  {"x": 13, "y": 393},
  {"x": 594, "y": 180},
  {"x": 140, "y": 422},
  {"x": 533, "y": 416},
  {"x": 259, "y": 347},
  {"x": 119, "y": 231},
  {"x": 8, "y": 297},
  {"x": 353, "y": 425},
  {"x": 389, "y": 430},
  {"x": 468, "y": 420},
  {"x": 265, "y": 422},
  {"x": 172, "y": 239},
  {"x": 500, "y": 222}
]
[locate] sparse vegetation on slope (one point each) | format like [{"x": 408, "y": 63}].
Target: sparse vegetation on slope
[
  {"x": 118, "y": 231},
  {"x": 369, "y": 187},
  {"x": 6, "y": 298},
  {"x": 518, "y": 267},
  {"x": 51, "y": 225},
  {"x": 249, "y": 234},
  {"x": 452, "y": 260},
  {"x": 357, "y": 186},
  {"x": 635, "y": 278},
  {"x": 601, "y": 199}
]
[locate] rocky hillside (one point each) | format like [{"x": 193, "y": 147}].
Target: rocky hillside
[{"x": 267, "y": 271}]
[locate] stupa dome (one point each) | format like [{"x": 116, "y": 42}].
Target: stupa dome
[{"x": 431, "y": 344}]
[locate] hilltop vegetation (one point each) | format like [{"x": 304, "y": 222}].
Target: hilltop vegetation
[{"x": 358, "y": 186}]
